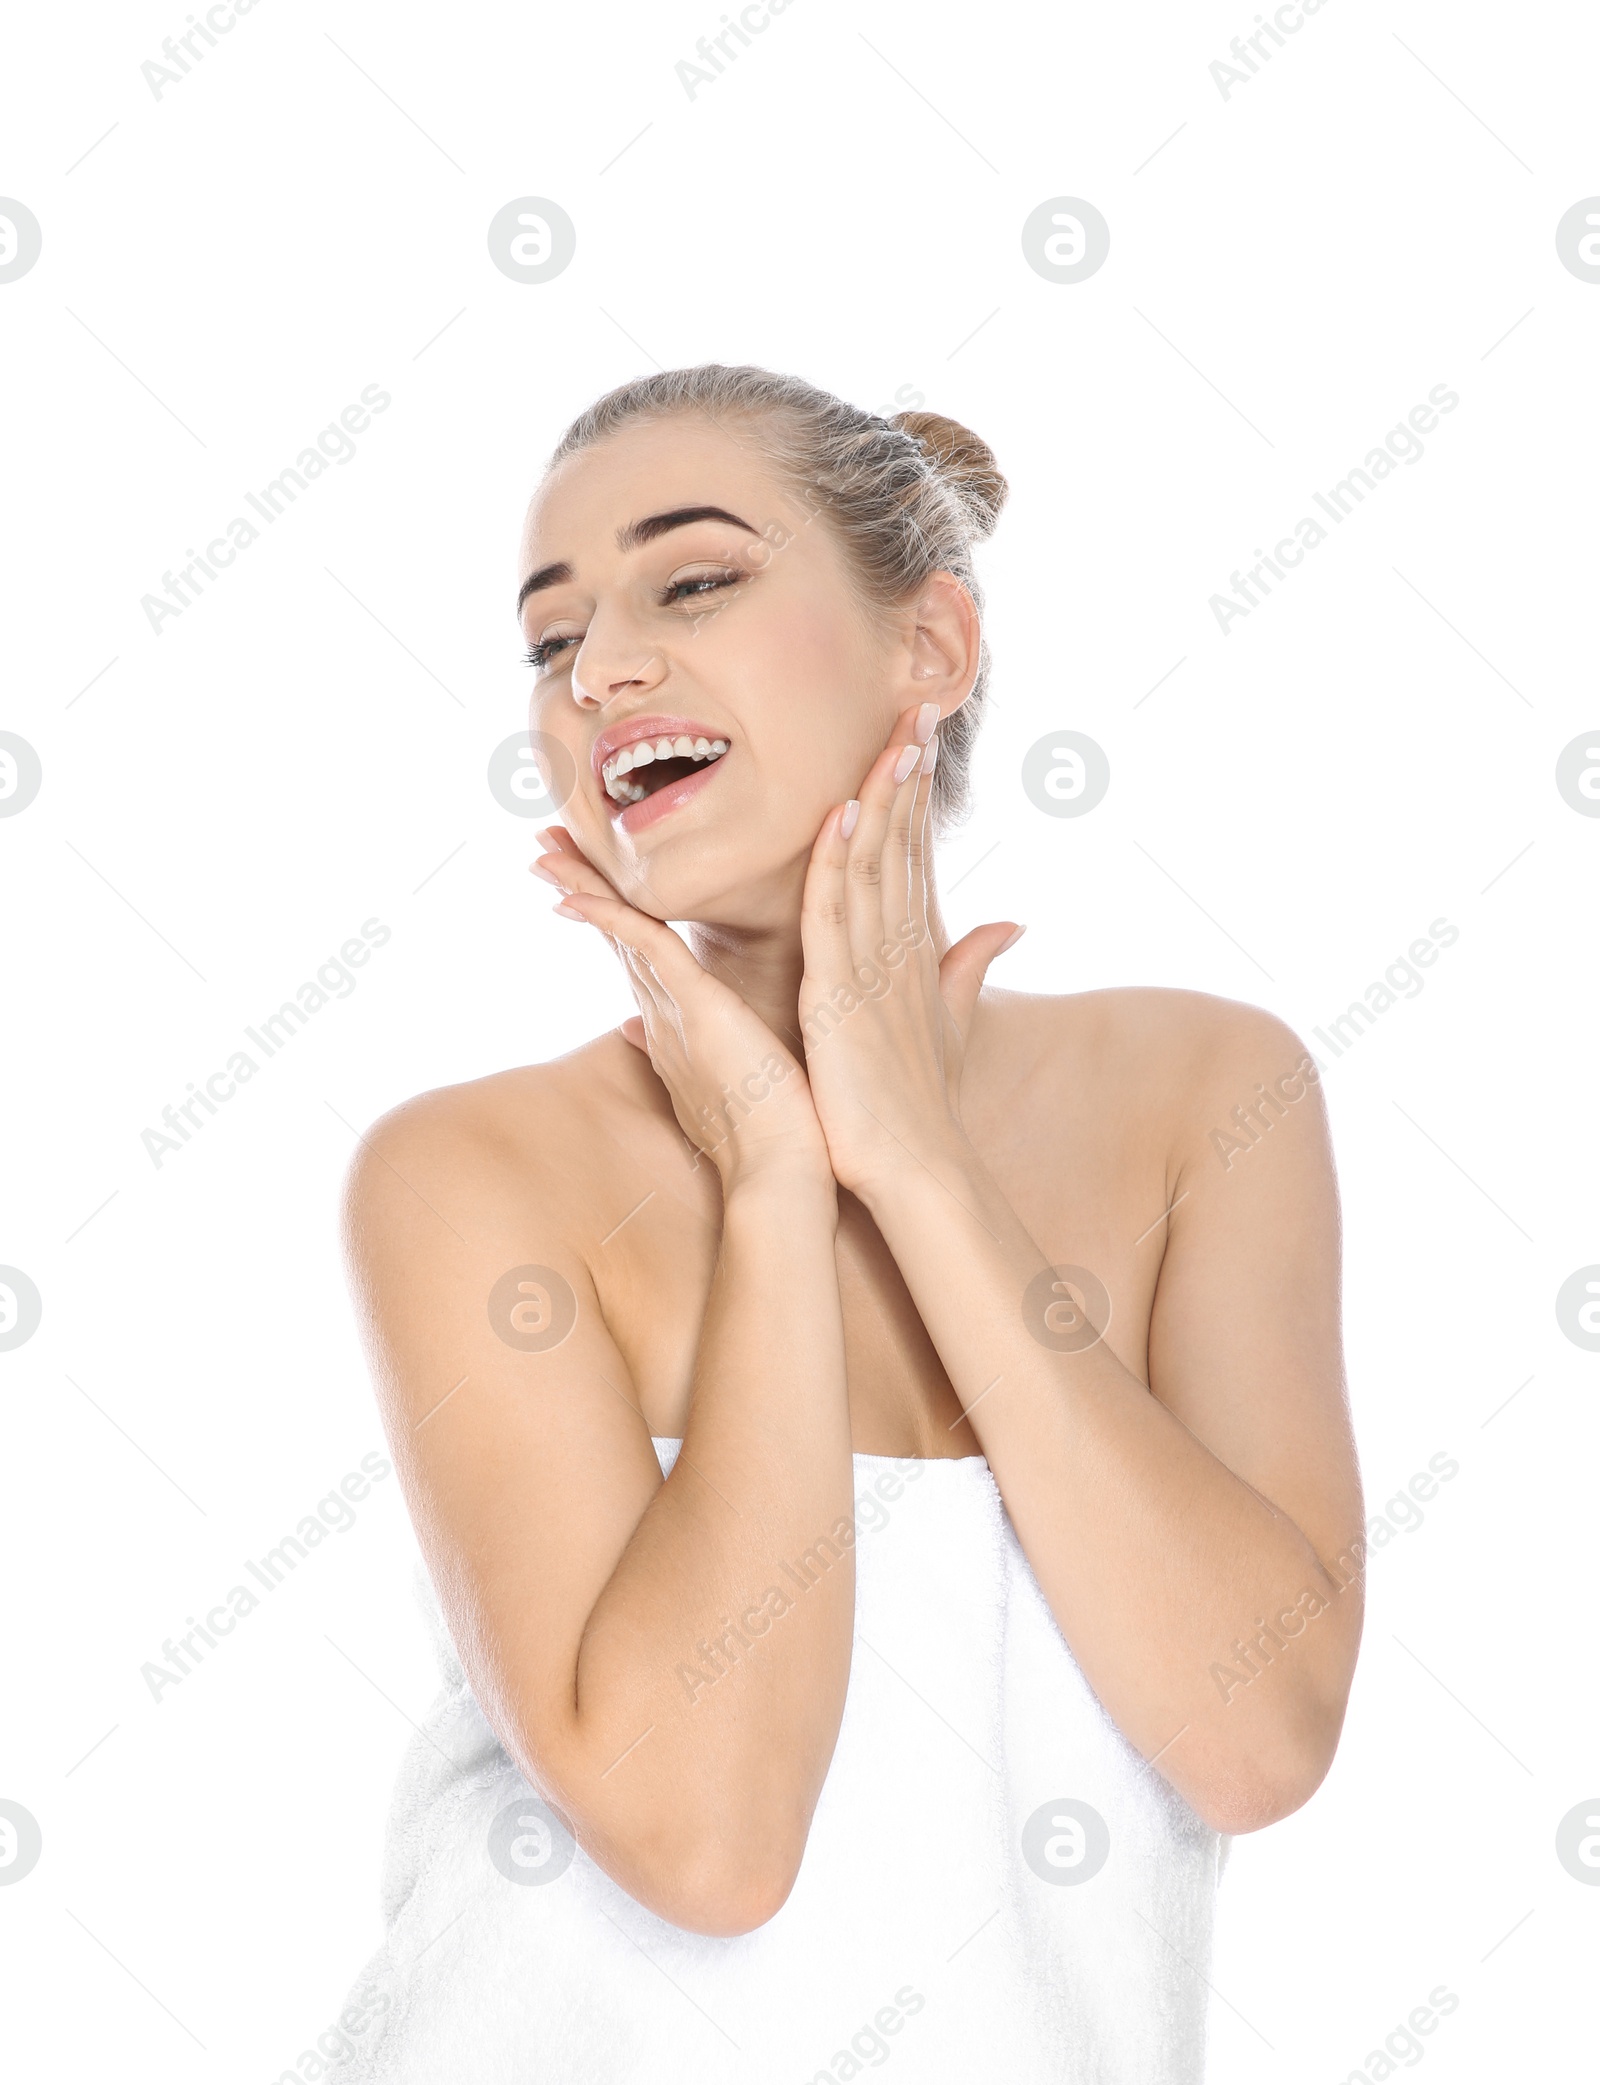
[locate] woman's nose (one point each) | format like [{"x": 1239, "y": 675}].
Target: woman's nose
[{"x": 610, "y": 661}]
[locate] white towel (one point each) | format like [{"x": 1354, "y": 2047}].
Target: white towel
[{"x": 995, "y": 1884}]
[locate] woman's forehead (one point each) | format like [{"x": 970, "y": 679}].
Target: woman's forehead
[
  {"x": 684, "y": 460},
  {"x": 589, "y": 503}
]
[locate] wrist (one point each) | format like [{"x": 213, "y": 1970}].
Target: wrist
[
  {"x": 789, "y": 1182},
  {"x": 945, "y": 1157}
]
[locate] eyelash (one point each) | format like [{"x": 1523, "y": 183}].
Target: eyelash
[{"x": 540, "y": 655}]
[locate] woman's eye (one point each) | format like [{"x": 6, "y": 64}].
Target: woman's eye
[
  {"x": 677, "y": 590},
  {"x": 542, "y": 653}
]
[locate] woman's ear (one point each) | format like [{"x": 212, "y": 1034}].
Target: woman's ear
[{"x": 942, "y": 657}]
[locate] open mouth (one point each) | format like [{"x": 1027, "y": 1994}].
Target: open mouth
[{"x": 650, "y": 765}]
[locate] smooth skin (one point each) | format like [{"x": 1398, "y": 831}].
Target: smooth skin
[{"x": 804, "y": 1199}]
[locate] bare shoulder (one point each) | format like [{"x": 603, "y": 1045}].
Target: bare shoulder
[
  {"x": 1174, "y": 1063},
  {"x": 535, "y": 1130},
  {"x": 1152, "y": 1031}
]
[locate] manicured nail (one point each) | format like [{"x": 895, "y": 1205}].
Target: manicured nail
[
  {"x": 568, "y": 911},
  {"x": 848, "y": 817},
  {"x": 1015, "y": 938},
  {"x": 930, "y": 753},
  {"x": 549, "y": 875},
  {"x": 927, "y": 717},
  {"x": 909, "y": 756}
]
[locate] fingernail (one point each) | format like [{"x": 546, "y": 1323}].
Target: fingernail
[
  {"x": 568, "y": 911},
  {"x": 1015, "y": 938},
  {"x": 549, "y": 875},
  {"x": 927, "y": 717},
  {"x": 930, "y": 754},
  {"x": 909, "y": 756},
  {"x": 847, "y": 821}
]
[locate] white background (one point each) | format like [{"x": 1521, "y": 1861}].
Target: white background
[{"x": 223, "y": 269}]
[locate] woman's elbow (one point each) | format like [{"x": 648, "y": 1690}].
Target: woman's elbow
[
  {"x": 703, "y": 1883},
  {"x": 1246, "y": 1795},
  {"x": 727, "y": 1901}
]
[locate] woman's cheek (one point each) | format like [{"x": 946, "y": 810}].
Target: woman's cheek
[{"x": 821, "y": 710}]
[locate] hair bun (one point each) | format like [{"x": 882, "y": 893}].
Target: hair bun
[{"x": 964, "y": 460}]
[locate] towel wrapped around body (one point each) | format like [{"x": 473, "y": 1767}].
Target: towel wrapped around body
[{"x": 995, "y": 1886}]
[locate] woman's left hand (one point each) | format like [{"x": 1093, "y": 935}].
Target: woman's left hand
[{"x": 884, "y": 1019}]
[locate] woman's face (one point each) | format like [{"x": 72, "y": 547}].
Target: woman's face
[{"x": 648, "y": 629}]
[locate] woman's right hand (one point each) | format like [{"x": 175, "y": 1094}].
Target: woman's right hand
[{"x": 739, "y": 1095}]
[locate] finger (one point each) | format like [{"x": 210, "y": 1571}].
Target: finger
[
  {"x": 919, "y": 868},
  {"x": 962, "y": 971},
  {"x": 864, "y": 860},
  {"x": 904, "y": 899},
  {"x": 557, "y": 838},
  {"x": 564, "y": 864},
  {"x": 651, "y": 940},
  {"x": 662, "y": 1017},
  {"x": 568, "y": 874},
  {"x": 632, "y": 1030},
  {"x": 824, "y": 929}
]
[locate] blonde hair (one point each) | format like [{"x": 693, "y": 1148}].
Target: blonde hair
[{"x": 905, "y": 497}]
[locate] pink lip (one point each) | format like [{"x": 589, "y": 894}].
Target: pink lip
[
  {"x": 632, "y": 729},
  {"x": 633, "y": 818}
]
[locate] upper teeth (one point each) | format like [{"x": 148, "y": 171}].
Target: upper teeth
[{"x": 643, "y": 751}]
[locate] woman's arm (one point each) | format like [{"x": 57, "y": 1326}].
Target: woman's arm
[
  {"x": 1172, "y": 1526},
  {"x": 622, "y": 1635},
  {"x": 1198, "y": 1539}
]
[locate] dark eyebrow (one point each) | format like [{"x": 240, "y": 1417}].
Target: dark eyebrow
[{"x": 631, "y": 538}]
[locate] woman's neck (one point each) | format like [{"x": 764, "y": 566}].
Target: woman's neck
[{"x": 766, "y": 966}]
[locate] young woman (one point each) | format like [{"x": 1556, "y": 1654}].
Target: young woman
[{"x": 878, "y": 1441}]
